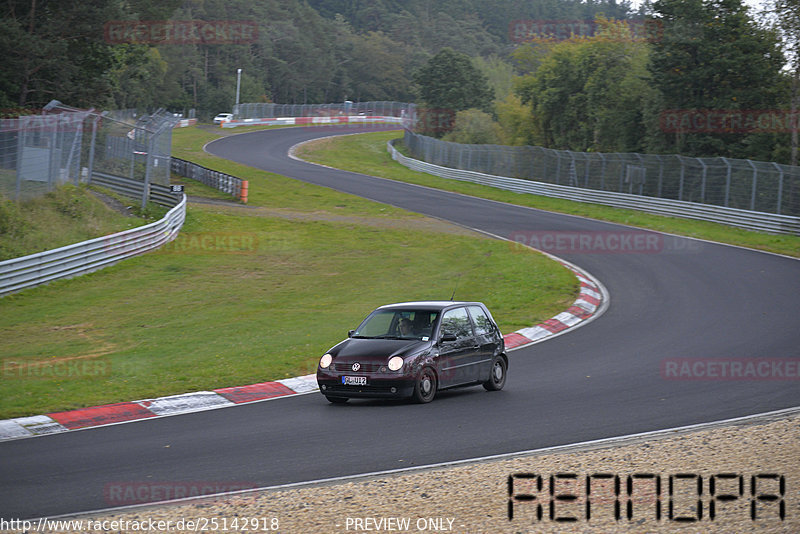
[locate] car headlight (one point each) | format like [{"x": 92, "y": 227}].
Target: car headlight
[
  {"x": 325, "y": 361},
  {"x": 396, "y": 363}
]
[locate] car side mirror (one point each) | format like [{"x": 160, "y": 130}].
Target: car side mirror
[
  {"x": 448, "y": 337},
  {"x": 350, "y": 333}
]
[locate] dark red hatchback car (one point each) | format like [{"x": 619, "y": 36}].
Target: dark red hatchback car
[{"x": 414, "y": 349}]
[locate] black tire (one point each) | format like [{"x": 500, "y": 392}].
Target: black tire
[
  {"x": 498, "y": 377},
  {"x": 336, "y": 400},
  {"x": 425, "y": 386}
]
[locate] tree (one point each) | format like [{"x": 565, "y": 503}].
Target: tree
[
  {"x": 56, "y": 49},
  {"x": 713, "y": 56},
  {"x": 499, "y": 73},
  {"x": 590, "y": 93},
  {"x": 449, "y": 83},
  {"x": 376, "y": 68},
  {"x": 517, "y": 126},
  {"x": 475, "y": 127},
  {"x": 787, "y": 14}
]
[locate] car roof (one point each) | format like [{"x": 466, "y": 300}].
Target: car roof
[{"x": 429, "y": 304}]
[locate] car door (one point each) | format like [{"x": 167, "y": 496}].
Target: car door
[
  {"x": 456, "y": 363},
  {"x": 486, "y": 338}
]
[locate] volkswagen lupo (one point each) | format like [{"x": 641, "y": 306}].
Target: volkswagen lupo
[{"x": 414, "y": 349}]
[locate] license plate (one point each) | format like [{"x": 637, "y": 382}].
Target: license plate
[{"x": 354, "y": 380}]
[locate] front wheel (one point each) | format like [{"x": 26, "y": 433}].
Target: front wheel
[
  {"x": 425, "y": 386},
  {"x": 498, "y": 378}
]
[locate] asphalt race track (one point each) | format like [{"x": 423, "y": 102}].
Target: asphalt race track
[{"x": 688, "y": 299}]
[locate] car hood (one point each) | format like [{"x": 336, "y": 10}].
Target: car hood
[{"x": 379, "y": 350}]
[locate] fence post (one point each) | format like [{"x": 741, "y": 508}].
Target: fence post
[
  {"x": 703, "y": 181},
  {"x": 148, "y": 165},
  {"x": 558, "y": 167},
  {"x": 727, "y": 181},
  {"x": 753, "y": 189},
  {"x": 660, "y": 173},
  {"x": 602, "y": 171},
  {"x": 572, "y": 173},
  {"x": 586, "y": 170},
  {"x": 53, "y": 142},
  {"x": 644, "y": 173},
  {"x": 21, "y": 140},
  {"x": 76, "y": 145},
  {"x": 780, "y": 187}
]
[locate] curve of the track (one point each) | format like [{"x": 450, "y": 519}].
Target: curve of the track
[{"x": 694, "y": 300}]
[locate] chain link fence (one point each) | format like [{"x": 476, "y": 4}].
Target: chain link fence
[
  {"x": 263, "y": 111},
  {"x": 64, "y": 144},
  {"x": 735, "y": 183}
]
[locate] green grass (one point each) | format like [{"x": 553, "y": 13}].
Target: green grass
[
  {"x": 367, "y": 154},
  {"x": 251, "y": 294},
  {"x": 66, "y": 215},
  {"x": 273, "y": 190}
]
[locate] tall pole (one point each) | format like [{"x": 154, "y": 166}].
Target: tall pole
[{"x": 238, "y": 85}]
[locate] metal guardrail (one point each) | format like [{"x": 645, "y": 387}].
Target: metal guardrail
[
  {"x": 226, "y": 183},
  {"x": 262, "y": 110},
  {"x": 158, "y": 193},
  {"x": 751, "y": 220},
  {"x": 73, "y": 260}
]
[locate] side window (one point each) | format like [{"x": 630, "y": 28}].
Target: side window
[
  {"x": 457, "y": 322},
  {"x": 483, "y": 325}
]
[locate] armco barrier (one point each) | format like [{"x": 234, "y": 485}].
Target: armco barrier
[
  {"x": 292, "y": 121},
  {"x": 73, "y": 260},
  {"x": 160, "y": 194},
  {"x": 226, "y": 183},
  {"x": 751, "y": 220}
]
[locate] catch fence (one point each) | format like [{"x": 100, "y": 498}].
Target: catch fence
[
  {"x": 726, "y": 182},
  {"x": 69, "y": 145}
]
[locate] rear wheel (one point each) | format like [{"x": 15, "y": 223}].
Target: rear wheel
[
  {"x": 336, "y": 400},
  {"x": 498, "y": 378},
  {"x": 425, "y": 386}
]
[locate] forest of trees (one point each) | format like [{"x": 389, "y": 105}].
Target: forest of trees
[{"x": 604, "y": 91}]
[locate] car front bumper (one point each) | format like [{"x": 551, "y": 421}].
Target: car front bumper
[{"x": 377, "y": 387}]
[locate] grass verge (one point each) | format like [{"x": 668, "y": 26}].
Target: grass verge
[
  {"x": 367, "y": 154},
  {"x": 251, "y": 294},
  {"x": 64, "y": 216}
]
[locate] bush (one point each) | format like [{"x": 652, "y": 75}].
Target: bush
[{"x": 474, "y": 127}]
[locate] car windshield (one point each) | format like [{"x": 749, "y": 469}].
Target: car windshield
[{"x": 398, "y": 324}]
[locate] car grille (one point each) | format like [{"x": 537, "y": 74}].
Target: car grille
[
  {"x": 348, "y": 367},
  {"x": 360, "y": 389}
]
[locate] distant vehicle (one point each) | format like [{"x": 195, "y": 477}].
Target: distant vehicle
[
  {"x": 414, "y": 349},
  {"x": 223, "y": 117}
]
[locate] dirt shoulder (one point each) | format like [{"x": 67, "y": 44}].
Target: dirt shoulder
[{"x": 478, "y": 497}]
